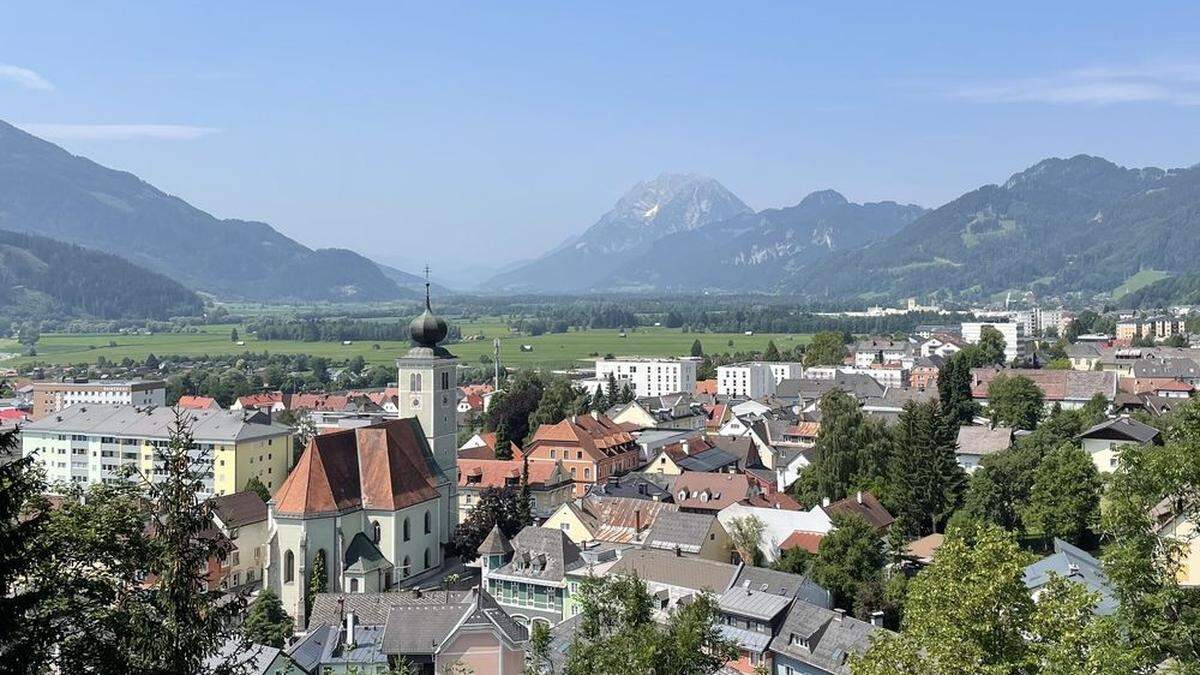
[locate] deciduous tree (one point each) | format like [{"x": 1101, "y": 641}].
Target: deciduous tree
[{"x": 1015, "y": 401}]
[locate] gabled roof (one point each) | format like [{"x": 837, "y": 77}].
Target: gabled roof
[
  {"x": 1056, "y": 385},
  {"x": 830, "y": 637},
  {"x": 372, "y": 608},
  {"x": 1073, "y": 563},
  {"x": 709, "y": 491},
  {"x": 782, "y": 583},
  {"x": 240, "y": 508},
  {"x": 197, "y": 402},
  {"x": 497, "y": 473},
  {"x": 983, "y": 440},
  {"x": 495, "y": 543},
  {"x": 425, "y": 629},
  {"x": 362, "y": 555},
  {"x": 865, "y": 506},
  {"x": 666, "y": 568},
  {"x": 542, "y": 554},
  {"x": 386, "y": 466},
  {"x": 751, "y": 602},
  {"x": 809, "y": 541},
  {"x": 1122, "y": 428},
  {"x": 685, "y": 531},
  {"x": 620, "y": 519},
  {"x": 595, "y": 434}
]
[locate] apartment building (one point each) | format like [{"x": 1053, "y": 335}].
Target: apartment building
[
  {"x": 651, "y": 377},
  {"x": 95, "y": 443},
  {"x": 51, "y": 397},
  {"x": 1012, "y": 331}
]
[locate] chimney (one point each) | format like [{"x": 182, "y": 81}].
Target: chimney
[
  {"x": 596, "y": 415},
  {"x": 824, "y": 501},
  {"x": 637, "y": 521},
  {"x": 877, "y": 619},
  {"x": 839, "y": 614},
  {"x": 859, "y": 496},
  {"x": 350, "y": 628},
  {"x": 678, "y": 552},
  {"x": 686, "y": 448},
  {"x": 417, "y": 592}
]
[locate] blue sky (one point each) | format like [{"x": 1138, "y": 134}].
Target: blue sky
[{"x": 496, "y": 130}]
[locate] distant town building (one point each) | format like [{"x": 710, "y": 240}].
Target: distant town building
[
  {"x": 50, "y": 397},
  {"x": 755, "y": 379},
  {"x": 651, "y": 377},
  {"x": 1013, "y": 333}
]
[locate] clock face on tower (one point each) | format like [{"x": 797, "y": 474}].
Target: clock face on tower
[{"x": 416, "y": 402}]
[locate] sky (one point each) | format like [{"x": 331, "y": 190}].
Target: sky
[{"x": 472, "y": 135}]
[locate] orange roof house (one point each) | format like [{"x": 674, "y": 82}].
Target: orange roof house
[
  {"x": 591, "y": 447},
  {"x": 197, "y": 403}
]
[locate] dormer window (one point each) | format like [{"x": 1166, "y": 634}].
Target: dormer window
[{"x": 798, "y": 641}]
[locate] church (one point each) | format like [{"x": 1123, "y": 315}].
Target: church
[{"x": 374, "y": 506}]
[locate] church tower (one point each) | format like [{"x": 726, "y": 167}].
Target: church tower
[{"x": 428, "y": 388}]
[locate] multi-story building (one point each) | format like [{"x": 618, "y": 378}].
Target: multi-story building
[
  {"x": 95, "y": 443},
  {"x": 752, "y": 379},
  {"x": 651, "y": 377},
  {"x": 528, "y": 575},
  {"x": 549, "y": 483},
  {"x": 1013, "y": 333},
  {"x": 785, "y": 370},
  {"x": 50, "y": 397},
  {"x": 241, "y": 518},
  {"x": 591, "y": 447}
]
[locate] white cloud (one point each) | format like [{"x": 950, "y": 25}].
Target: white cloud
[
  {"x": 24, "y": 77},
  {"x": 1169, "y": 83},
  {"x": 120, "y": 132}
]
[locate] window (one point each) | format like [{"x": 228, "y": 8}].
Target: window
[
  {"x": 414, "y": 382},
  {"x": 552, "y": 453},
  {"x": 428, "y": 523},
  {"x": 445, "y": 380},
  {"x": 376, "y": 532},
  {"x": 587, "y": 473},
  {"x": 289, "y": 567},
  {"x": 407, "y": 533},
  {"x": 354, "y": 585},
  {"x": 427, "y": 552}
]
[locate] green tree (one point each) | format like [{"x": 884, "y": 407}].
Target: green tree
[
  {"x": 954, "y": 386},
  {"x": 795, "y": 560},
  {"x": 539, "y": 648},
  {"x": 1015, "y": 401},
  {"x": 746, "y": 534},
  {"x": 849, "y": 556},
  {"x": 267, "y": 623},
  {"x": 559, "y": 400},
  {"x": 826, "y": 348},
  {"x": 510, "y": 410},
  {"x": 233, "y": 335},
  {"x": 1094, "y": 411},
  {"x": 525, "y": 497},
  {"x": 600, "y": 401},
  {"x": 970, "y": 612},
  {"x": 850, "y": 452},
  {"x": 697, "y": 348},
  {"x": 318, "y": 580},
  {"x": 991, "y": 346},
  {"x": 253, "y": 484},
  {"x": 496, "y": 506},
  {"x": 23, "y": 520},
  {"x": 1065, "y": 499},
  {"x": 772, "y": 352},
  {"x": 925, "y": 482}
]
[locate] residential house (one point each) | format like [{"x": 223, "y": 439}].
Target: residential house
[
  {"x": 695, "y": 454},
  {"x": 482, "y": 445},
  {"x": 651, "y": 376},
  {"x": 749, "y": 618},
  {"x": 669, "y": 411},
  {"x": 1104, "y": 440},
  {"x": 779, "y": 524},
  {"x": 690, "y": 534},
  {"x": 197, "y": 403},
  {"x": 702, "y": 492},
  {"x": 818, "y": 641},
  {"x": 635, "y": 485},
  {"x": 241, "y": 517},
  {"x": 591, "y": 447},
  {"x": 943, "y": 345},
  {"x": 550, "y": 485},
  {"x": 1013, "y": 333},
  {"x": 925, "y": 371},
  {"x": 975, "y": 443},
  {"x": 1073, "y": 564},
  {"x": 529, "y": 581},
  {"x": 1071, "y": 389},
  {"x": 616, "y": 520},
  {"x": 864, "y": 505}
]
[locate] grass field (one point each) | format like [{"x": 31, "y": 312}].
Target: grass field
[
  {"x": 549, "y": 350},
  {"x": 1140, "y": 280}
]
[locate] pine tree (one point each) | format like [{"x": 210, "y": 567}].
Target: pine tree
[
  {"x": 318, "y": 580},
  {"x": 926, "y": 484},
  {"x": 525, "y": 497},
  {"x": 772, "y": 353},
  {"x": 697, "y": 348},
  {"x": 22, "y": 524},
  {"x": 254, "y": 484},
  {"x": 267, "y": 623},
  {"x": 233, "y": 335},
  {"x": 626, "y": 393}
]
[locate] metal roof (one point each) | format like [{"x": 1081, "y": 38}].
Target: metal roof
[{"x": 154, "y": 422}]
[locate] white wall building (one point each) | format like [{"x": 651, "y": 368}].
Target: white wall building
[
  {"x": 1013, "y": 332},
  {"x": 752, "y": 379},
  {"x": 652, "y": 377},
  {"x": 50, "y": 397}
]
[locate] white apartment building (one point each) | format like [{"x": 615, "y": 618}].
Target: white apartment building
[
  {"x": 1013, "y": 333},
  {"x": 1037, "y": 320},
  {"x": 50, "y": 397},
  {"x": 651, "y": 377},
  {"x": 755, "y": 379}
]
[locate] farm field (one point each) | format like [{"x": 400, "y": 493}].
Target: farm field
[{"x": 559, "y": 350}]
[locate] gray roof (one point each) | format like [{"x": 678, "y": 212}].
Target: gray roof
[
  {"x": 362, "y": 555},
  {"x": 783, "y": 583},
  {"x": 831, "y": 638},
  {"x": 422, "y": 629},
  {"x": 495, "y": 543},
  {"x": 633, "y": 485},
  {"x": 153, "y": 422},
  {"x": 859, "y": 385},
  {"x": 688, "y": 531},
  {"x": 372, "y": 608},
  {"x": 253, "y": 659},
  {"x": 1122, "y": 428},
  {"x": 668, "y": 569},
  {"x": 1172, "y": 368},
  {"x": 753, "y": 603},
  {"x": 324, "y": 645},
  {"x": 543, "y": 554},
  {"x": 983, "y": 440},
  {"x": 748, "y": 640},
  {"x": 1072, "y": 562},
  {"x": 712, "y": 459}
]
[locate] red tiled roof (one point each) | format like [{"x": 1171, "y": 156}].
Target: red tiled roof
[
  {"x": 706, "y": 387},
  {"x": 13, "y": 414},
  {"x": 197, "y": 403},
  {"x": 710, "y": 491},
  {"x": 809, "y": 541},
  {"x": 382, "y": 466},
  {"x": 775, "y": 500},
  {"x": 803, "y": 430},
  {"x": 483, "y": 473},
  {"x": 694, "y": 445},
  {"x": 265, "y": 398},
  {"x": 599, "y": 436}
]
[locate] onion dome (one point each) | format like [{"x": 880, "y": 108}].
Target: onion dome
[{"x": 428, "y": 329}]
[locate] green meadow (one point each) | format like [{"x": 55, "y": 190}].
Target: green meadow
[{"x": 558, "y": 350}]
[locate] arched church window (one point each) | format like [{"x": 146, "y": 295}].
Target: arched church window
[
  {"x": 376, "y": 532},
  {"x": 407, "y": 529},
  {"x": 289, "y": 567}
]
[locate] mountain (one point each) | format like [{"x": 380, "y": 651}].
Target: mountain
[
  {"x": 651, "y": 210},
  {"x": 754, "y": 251},
  {"x": 411, "y": 282},
  {"x": 1081, "y": 224},
  {"x": 42, "y": 278},
  {"x": 48, "y": 191}
]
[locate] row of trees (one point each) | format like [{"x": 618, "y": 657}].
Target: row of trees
[{"x": 530, "y": 399}]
